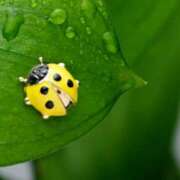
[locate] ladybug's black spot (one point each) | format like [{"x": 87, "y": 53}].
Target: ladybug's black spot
[
  {"x": 49, "y": 104},
  {"x": 70, "y": 83},
  {"x": 57, "y": 77},
  {"x": 44, "y": 90},
  {"x": 37, "y": 74}
]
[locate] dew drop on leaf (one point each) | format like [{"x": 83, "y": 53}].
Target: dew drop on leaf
[
  {"x": 11, "y": 2},
  {"x": 110, "y": 42},
  {"x": 70, "y": 32},
  {"x": 101, "y": 8},
  {"x": 2, "y": 2},
  {"x": 34, "y": 3},
  {"x": 58, "y": 16},
  {"x": 88, "y": 8},
  {"x": 106, "y": 57},
  {"x": 88, "y": 30},
  {"x": 82, "y": 20},
  {"x": 81, "y": 52},
  {"x": 44, "y": 2},
  {"x": 12, "y": 24}
]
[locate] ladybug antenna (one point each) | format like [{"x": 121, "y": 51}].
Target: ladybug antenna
[
  {"x": 41, "y": 60},
  {"x": 78, "y": 82},
  {"x": 23, "y": 80},
  {"x": 62, "y": 65}
]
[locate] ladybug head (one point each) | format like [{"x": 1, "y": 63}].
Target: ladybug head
[{"x": 37, "y": 74}]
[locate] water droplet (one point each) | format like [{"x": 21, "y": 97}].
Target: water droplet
[
  {"x": 88, "y": 8},
  {"x": 88, "y": 30},
  {"x": 100, "y": 3},
  {"x": 58, "y": 16},
  {"x": 101, "y": 8},
  {"x": 34, "y": 3},
  {"x": 106, "y": 57},
  {"x": 105, "y": 14},
  {"x": 44, "y": 2},
  {"x": 11, "y": 2},
  {"x": 81, "y": 52},
  {"x": 70, "y": 32},
  {"x": 82, "y": 20},
  {"x": 41, "y": 23},
  {"x": 71, "y": 62},
  {"x": 71, "y": 4},
  {"x": 12, "y": 25},
  {"x": 110, "y": 42},
  {"x": 2, "y": 2}
]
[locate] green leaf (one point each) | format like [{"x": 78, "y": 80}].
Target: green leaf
[
  {"x": 134, "y": 142},
  {"x": 77, "y": 33}
]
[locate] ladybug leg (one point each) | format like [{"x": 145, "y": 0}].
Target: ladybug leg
[
  {"x": 27, "y": 102},
  {"x": 41, "y": 60},
  {"x": 26, "y": 99},
  {"x": 61, "y": 64},
  {"x": 45, "y": 117},
  {"x": 78, "y": 82},
  {"x": 23, "y": 80}
]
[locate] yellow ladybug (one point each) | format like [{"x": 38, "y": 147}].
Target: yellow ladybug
[{"x": 50, "y": 89}]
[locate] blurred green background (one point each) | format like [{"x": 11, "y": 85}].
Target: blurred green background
[{"x": 135, "y": 140}]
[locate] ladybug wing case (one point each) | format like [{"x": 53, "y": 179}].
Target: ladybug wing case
[{"x": 44, "y": 98}]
